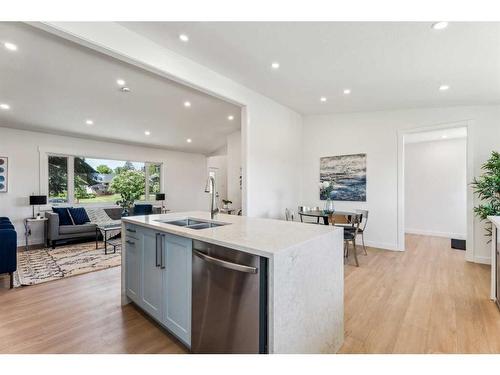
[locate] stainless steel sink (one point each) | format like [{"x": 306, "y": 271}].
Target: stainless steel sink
[{"x": 193, "y": 223}]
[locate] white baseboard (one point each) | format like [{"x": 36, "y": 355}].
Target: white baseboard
[
  {"x": 457, "y": 236},
  {"x": 380, "y": 245},
  {"x": 482, "y": 260}
]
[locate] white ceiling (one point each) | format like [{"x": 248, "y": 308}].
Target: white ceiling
[
  {"x": 387, "y": 65},
  {"x": 54, "y": 85},
  {"x": 436, "y": 135}
]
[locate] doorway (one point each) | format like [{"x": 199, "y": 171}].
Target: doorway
[
  {"x": 434, "y": 198},
  {"x": 225, "y": 166}
]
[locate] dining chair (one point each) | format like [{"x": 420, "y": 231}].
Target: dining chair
[
  {"x": 363, "y": 219},
  {"x": 350, "y": 234},
  {"x": 289, "y": 215},
  {"x": 307, "y": 209},
  {"x": 340, "y": 220}
]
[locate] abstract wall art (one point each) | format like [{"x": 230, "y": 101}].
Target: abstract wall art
[
  {"x": 346, "y": 177},
  {"x": 4, "y": 174}
]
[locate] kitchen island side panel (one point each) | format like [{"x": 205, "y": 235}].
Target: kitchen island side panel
[{"x": 306, "y": 294}]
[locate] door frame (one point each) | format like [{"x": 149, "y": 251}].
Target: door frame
[{"x": 468, "y": 124}]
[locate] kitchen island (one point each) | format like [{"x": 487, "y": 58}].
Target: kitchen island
[{"x": 301, "y": 268}]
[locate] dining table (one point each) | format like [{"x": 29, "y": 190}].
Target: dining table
[{"x": 320, "y": 214}]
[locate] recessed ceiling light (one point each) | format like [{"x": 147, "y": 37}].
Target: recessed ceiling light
[
  {"x": 347, "y": 91},
  {"x": 10, "y": 46},
  {"x": 187, "y": 104},
  {"x": 275, "y": 65},
  {"x": 89, "y": 122},
  {"x": 125, "y": 89},
  {"x": 444, "y": 136},
  {"x": 443, "y": 87},
  {"x": 184, "y": 37},
  {"x": 189, "y": 140},
  {"x": 230, "y": 117},
  {"x": 322, "y": 99},
  {"x": 5, "y": 106},
  {"x": 440, "y": 25},
  {"x": 120, "y": 82},
  {"x": 147, "y": 132}
]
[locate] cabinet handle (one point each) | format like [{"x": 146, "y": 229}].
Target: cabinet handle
[
  {"x": 156, "y": 260},
  {"x": 130, "y": 242},
  {"x": 224, "y": 264},
  {"x": 131, "y": 230},
  {"x": 162, "y": 253}
]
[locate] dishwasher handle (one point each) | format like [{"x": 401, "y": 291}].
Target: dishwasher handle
[{"x": 224, "y": 264}]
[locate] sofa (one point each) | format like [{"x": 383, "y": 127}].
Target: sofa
[
  {"x": 57, "y": 232},
  {"x": 63, "y": 233},
  {"x": 8, "y": 249}
]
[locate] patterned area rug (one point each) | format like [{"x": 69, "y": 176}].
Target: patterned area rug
[{"x": 42, "y": 265}]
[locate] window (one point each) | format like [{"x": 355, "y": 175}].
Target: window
[
  {"x": 58, "y": 179},
  {"x": 81, "y": 180},
  {"x": 154, "y": 179}
]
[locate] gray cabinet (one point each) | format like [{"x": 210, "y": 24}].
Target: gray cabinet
[
  {"x": 151, "y": 274},
  {"x": 133, "y": 265},
  {"x": 177, "y": 284},
  {"x": 158, "y": 278}
]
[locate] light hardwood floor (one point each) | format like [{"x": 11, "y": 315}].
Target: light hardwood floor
[
  {"x": 425, "y": 300},
  {"x": 80, "y": 314}
]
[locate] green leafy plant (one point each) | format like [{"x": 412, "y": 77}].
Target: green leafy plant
[
  {"x": 130, "y": 185},
  {"x": 487, "y": 188},
  {"x": 103, "y": 169}
]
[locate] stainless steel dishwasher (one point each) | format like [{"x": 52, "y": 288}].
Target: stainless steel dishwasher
[{"x": 229, "y": 301}]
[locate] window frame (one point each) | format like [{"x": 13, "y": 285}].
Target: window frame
[{"x": 44, "y": 177}]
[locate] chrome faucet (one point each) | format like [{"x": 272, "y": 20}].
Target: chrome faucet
[{"x": 210, "y": 188}]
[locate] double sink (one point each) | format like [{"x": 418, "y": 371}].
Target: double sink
[{"x": 193, "y": 223}]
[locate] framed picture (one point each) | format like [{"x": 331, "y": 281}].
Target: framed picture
[
  {"x": 346, "y": 177},
  {"x": 4, "y": 174}
]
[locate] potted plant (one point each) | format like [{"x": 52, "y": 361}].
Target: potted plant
[
  {"x": 130, "y": 185},
  {"x": 226, "y": 203},
  {"x": 487, "y": 188}
]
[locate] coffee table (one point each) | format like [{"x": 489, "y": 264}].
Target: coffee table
[{"x": 106, "y": 229}]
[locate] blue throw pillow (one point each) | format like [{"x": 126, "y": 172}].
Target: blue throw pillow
[
  {"x": 79, "y": 215},
  {"x": 64, "y": 218}
]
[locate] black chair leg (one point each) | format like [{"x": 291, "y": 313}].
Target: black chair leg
[
  {"x": 53, "y": 244},
  {"x": 11, "y": 280}
]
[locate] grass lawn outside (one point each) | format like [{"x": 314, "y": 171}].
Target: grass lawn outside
[{"x": 101, "y": 199}]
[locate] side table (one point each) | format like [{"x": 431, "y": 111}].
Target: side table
[{"x": 27, "y": 227}]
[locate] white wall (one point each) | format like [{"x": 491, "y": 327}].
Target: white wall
[
  {"x": 233, "y": 169},
  {"x": 184, "y": 174},
  {"x": 436, "y": 188},
  {"x": 376, "y": 133},
  {"x": 271, "y": 133}
]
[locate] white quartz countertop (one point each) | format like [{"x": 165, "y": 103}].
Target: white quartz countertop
[
  {"x": 495, "y": 220},
  {"x": 264, "y": 237}
]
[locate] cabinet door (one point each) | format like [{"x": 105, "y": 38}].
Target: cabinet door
[
  {"x": 133, "y": 254},
  {"x": 177, "y": 284},
  {"x": 151, "y": 274}
]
